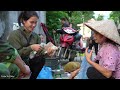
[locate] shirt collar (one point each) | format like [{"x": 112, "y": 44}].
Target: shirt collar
[{"x": 23, "y": 29}]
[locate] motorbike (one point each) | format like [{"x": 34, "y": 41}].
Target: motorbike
[
  {"x": 66, "y": 45},
  {"x": 68, "y": 40}
]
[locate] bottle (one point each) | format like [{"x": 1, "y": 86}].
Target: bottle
[
  {"x": 65, "y": 75},
  {"x": 32, "y": 54}
]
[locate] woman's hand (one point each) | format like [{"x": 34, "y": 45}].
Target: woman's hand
[
  {"x": 27, "y": 73},
  {"x": 36, "y": 47},
  {"x": 50, "y": 52},
  {"x": 27, "y": 70},
  {"x": 74, "y": 73},
  {"x": 88, "y": 55}
]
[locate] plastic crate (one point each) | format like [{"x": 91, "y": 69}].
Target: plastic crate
[{"x": 52, "y": 62}]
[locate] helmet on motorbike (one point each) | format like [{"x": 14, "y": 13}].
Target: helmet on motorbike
[
  {"x": 77, "y": 36},
  {"x": 69, "y": 30}
]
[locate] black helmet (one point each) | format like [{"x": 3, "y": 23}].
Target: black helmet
[{"x": 77, "y": 36}]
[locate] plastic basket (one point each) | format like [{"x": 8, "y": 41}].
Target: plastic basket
[{"x": 52, "y": 62}]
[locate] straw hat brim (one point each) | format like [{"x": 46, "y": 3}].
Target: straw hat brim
[{"x": 106, "y": 28}]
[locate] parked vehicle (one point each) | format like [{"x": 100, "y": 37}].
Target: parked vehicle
[
  {"x": 67, "y": 49},
  {"x": 68, "y": 40}
]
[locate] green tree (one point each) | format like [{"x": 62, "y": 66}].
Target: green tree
[
  {"x": 53, "y": 22},
  {"x": 53, "y": 19},
  {"x": 115, "y": 15},
  {"x": 75, "y": 17},
  {"x": 100, "y": 17}
]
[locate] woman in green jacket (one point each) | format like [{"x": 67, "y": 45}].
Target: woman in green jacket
[{"x": 26, "y": 41}]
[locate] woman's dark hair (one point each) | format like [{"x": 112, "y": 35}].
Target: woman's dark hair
[
  {"x": 64, "y": 19},
  {"x": 25, "y": 15}
]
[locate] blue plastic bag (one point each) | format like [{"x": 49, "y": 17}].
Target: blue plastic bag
[
  {"x": 84, "y": 66},
  {"x": 45, "y": 73}
]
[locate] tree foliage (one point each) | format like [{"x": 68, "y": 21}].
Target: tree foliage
[
  {"x": 75, "y": 17},
  {"x": 115, "y": 15},
  {"x": 53, "y": 19},
  {"x": 100, "y": 17}
]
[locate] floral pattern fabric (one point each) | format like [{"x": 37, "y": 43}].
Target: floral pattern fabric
[{"x": 109, "y": 58}]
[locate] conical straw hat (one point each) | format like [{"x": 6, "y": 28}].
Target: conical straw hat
[{"x": 105, "y": 27}]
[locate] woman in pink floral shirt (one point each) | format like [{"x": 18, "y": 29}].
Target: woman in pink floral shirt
[{"x": 106, "y": 34}]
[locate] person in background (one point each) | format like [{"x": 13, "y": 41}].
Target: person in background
[
  {"x": 64, "y": 23},
  {"x": 26, "y": 41},
  {"x": 105, "y": 34}
]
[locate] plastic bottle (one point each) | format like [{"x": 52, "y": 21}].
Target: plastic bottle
[{"x": 32, "y": 54}]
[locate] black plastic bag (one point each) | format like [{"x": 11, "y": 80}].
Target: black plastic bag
[{"x": 36, "y": 64}]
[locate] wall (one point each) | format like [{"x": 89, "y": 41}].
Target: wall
[{"x": 3, "y": 24}]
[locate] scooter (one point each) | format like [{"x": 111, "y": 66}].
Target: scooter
[
  {"x": 66, "y": 48},
  {"x": 68, "y": 38}
]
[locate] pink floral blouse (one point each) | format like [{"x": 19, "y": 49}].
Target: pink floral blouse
[{"x": 109, "y": 58}]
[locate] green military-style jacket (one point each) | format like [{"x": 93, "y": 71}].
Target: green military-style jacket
[
  {"x": 18, "y": 40},
  {"x": 7, "y": 52}
]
